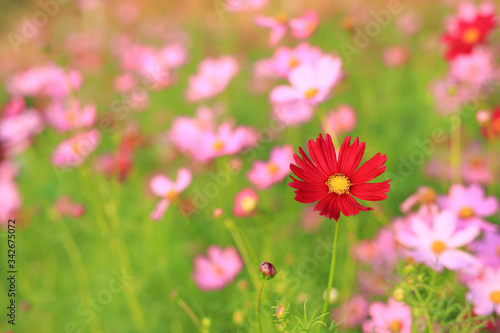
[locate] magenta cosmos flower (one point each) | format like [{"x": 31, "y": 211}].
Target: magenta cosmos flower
[
  {"x": 217, "y": 269},
  {"x": 484, "y": 293},
  {"x": 75, "y": 150},
  {"x": 334, "y": 180},
  {"x": 436, "y": 245},
  {"x": 471, "y": 206},
  {"x": 245, "y": 203},
  {"x": 310, "y": 83},
  {"x": 265, "y": 174},
  {"x": 387, "y": 318},
  {"x": 168, "y": 190}
]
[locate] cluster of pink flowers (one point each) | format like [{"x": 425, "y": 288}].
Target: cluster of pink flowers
[{"x": 473, "y": 69}]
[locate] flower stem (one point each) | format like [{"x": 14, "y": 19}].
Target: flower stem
[
  {"x": 332, "y": 272},
  {"x": 191, "y": 314},
  {"x": 257, "y": 312},
  {"x": 240, "y": 244}
]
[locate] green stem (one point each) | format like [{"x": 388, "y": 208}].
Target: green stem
[
  {"x": 191, "y": 314},
  {"x": 332, "y": 272},
  {"x": 244, "y": 252},
  {"x": 257, "y": 312}
]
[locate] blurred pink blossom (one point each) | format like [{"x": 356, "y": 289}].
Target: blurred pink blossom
[
  {"x": 471, "y": 205},
  {"x": 168, "y": 191},
  {"x": 212, "y": 78},
  {"x": 484, "y": 293},
  {"x": 75, "y": 150},
  {"x": 341, "y": 121},
  {"x": 352, "y": 313},
  {"x": 70, "y": 115},
  {"x": 245, "y": 203},
  {"x": 244, "y": 5},
  {"x": 65, "y": 206},
  {"x": 305, "y": 25},
  {"x": 265, "y": 174},
  {"x": 436, "y": 245},
  {"x": 311, "y": 83},
  {"x": 391, "y": 317},
  {"x": 217, "y": 269},
  {"x": 278, "y": 25},
  {"x": 396, "y": 56}
]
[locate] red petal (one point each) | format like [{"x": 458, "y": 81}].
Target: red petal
[
  {"x": 369, "y": 170},
  {"x": 371, "y": 191}
]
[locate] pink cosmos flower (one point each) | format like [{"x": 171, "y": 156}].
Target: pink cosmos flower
[
  {"x": 125, "y": 82},
  {"x": 426, "y": 197},
  {"x": 409, "y": 23},
  {"x": 387, "y": 318},
  {"x": 476, "y": 165},
  {"x": 310, "y": 221},
  {"x": 224, "y": 141},
  {"x": 484, "y": 292},
  {"x": 212, "y": 78},
  {"x": 351, "y": 313},
  {"x": 14, "y": 106},
  {"x": 380, "y": 253},
  {"x": 245, "y": 203},
  {"x": 305, "y": 25},
  {"x": 168, "y": 191},
  {"x": 436, "y": 245},
  {"x": 65, "y": 206},
  {"x": 217, "y": 269},
  {"x": 470, "y": 205},
  {"x": 75, "y": 150},
  {"x": 245, "y": 5},
  {"x": 264, "y": 174},
  {"x": 70, "y": 115},
  {"x": 396, "y": 56},
  {"x": 310, "y": 83},
  {"x": 49, "y": 81},
  {"x": 277, "y": 24},
  {"x": 117, "y": 164},
  {"x": 487, "y": 249},
  {"x": 286, "y": 59},
  {"x": 475, "y": 68},
  {"x": 10, "y": 198},
  {"x": 16, "y": 131},
  {"x": 450, "y": 95},
  {"x": 341, "y": 121},
  {"x": 293, "y": 113}
]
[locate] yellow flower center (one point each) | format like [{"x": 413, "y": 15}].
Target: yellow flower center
[
  {"x": 218, "y": 270},
  {"x": 339, "y": 184},
  {"x": 171, "y": 195},
  {"x": 76, "y": 147},
  {"x": 248, "y": 204},
  {"x": 293, "y": 62},
  {"x": 471, "y": 36},
  {"x": 428, "y": 197},
  {"x": 438, "y": 247},
  {"x": 396, "y": 326},
  {"x": 310, "y": 93},
  {"x": 495, "y": 297},
  {"x": 218, "y": 145},
  {"x": 272, "y": 168},
  {"x": 466, "y": 212},
  {"x": 281, "y": 17},
  {"x": 498, "y": 250}
]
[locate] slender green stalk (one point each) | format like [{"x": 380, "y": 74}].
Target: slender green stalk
[
  {"x": 332, "y": 272},
  {"x": 191, "y": 314},
  {"x": 76, "y": 259},
  {"x": 240, "y": 244},
  {"x": 257, "y": 312}
]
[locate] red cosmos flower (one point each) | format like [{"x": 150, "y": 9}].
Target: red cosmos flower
[
  {"x": 493, "y": 126},
  {"x": 335, "y": 181},
  {"x": 465, "y": 34}
]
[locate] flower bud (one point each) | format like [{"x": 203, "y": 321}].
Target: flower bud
[
  {"x": 398, "y": 294},
  {"x": 217, "y": 213},
  {"x": 268, "y": 270},
  {"x": 334, "y": 295},
  {"x": 483, "y": 117},
  {"x": 281, "y": 312}
]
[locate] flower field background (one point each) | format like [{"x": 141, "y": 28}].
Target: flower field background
[{"x": 146, "y": 151}]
